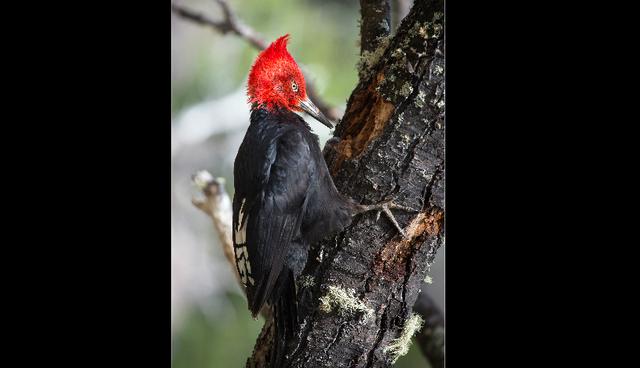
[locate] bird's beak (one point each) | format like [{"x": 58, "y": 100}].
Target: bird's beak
[{"x": 312, "y": 110}]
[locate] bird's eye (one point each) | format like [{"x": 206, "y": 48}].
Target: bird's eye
[{"x": 294, "y": 86}]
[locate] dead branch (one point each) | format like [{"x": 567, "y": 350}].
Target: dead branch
[
  {"x": 217, "y": 205},
  {"x": 232, "y": 24}
]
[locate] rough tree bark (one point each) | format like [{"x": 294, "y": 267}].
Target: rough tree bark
[{"x": 357, "y": 293}]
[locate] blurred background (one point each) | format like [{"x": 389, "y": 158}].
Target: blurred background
[{"x": 210, "y": 323}]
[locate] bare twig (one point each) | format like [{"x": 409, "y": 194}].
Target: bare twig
[{"x": 232, "y": 24}]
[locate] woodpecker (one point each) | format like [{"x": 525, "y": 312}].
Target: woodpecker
[{"x": 285, "y": 198}]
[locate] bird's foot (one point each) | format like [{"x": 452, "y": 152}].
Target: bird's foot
[{"x": 386, "y": 207}]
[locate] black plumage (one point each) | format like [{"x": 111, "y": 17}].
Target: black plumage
[{"x": 284, "y": 200}]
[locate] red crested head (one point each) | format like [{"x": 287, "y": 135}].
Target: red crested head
[{"x": 275, "y": 81}]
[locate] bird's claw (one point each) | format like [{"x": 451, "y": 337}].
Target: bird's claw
[
  {"x": 386, "y": 207},
  {"x": 392, "y": 218},
  {"x": 393, "y": 206}
]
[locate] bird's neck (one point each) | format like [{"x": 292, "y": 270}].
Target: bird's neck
[
  {"x": 272, "y": 110},
  {"x": 270, "y": 107}
]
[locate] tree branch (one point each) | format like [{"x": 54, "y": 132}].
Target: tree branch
[
  {"x": 375, "y": 23},
  {"x": 217, "y": 205},
  {"x": 232, "y": 24}
]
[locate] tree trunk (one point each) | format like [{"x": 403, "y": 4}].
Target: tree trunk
[{"x": 358, "y": 290}]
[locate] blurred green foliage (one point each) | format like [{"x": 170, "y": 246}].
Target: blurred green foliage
[
  {"x": 228, "y": 342},
  {"x": 220, "y": 342}
]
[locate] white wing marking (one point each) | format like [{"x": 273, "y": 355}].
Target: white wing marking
[
  {"x": 241, "y": 234},
  {"x": 242, "y": 271},
  {"x": 240, "y": 240}
]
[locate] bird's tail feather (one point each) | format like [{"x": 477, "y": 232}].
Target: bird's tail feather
[{"x": 285, "y": 316}]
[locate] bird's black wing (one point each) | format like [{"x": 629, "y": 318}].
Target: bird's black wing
[{"x": 269, "y": 203}]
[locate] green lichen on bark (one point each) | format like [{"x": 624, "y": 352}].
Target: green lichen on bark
[
  {"x": 306, "y": 281},
  {"x": 400, "y": 346},
  {"x": 428, "y": 280},
  {"x": 406, "y": 89},
  {"x": 344, "y": 302},
  {"x": 368, "y": 59}
]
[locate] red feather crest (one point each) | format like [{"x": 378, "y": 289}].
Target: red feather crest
[{"x": 272, "y": 75}]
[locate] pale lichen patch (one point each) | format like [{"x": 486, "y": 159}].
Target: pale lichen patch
[
  {"x": 400, "y": 346},
  {"x": 397, "y": 53},
  {"x": 422, "y": 31},
  {"x": 437, "y": 29},
  {"x": 344, "y": 302},
  {"x": 420, "y": 99},
  {"x": 369, "y": 59},
  {"x": 428, "y": 280},
  {"x": 406, "y": 89},
  {"x": 307, "y": 281}
]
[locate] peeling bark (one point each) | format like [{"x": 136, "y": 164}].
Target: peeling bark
[{"x": 390, "y": 144}]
